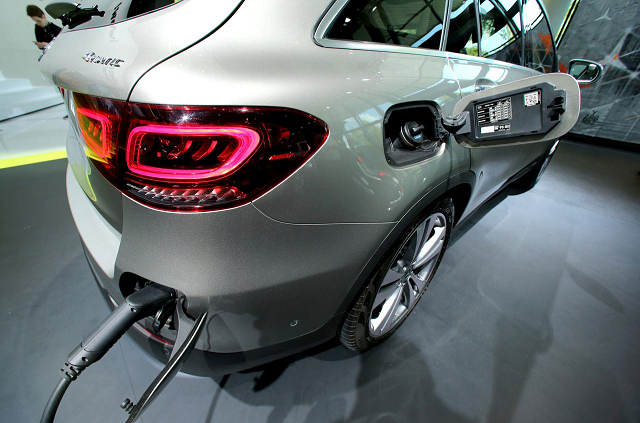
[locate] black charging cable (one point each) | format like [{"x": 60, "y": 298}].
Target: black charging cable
[{"x": 142, "y": 303}]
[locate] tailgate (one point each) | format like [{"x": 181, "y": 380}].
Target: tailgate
[{"x": 107, "y": 55}]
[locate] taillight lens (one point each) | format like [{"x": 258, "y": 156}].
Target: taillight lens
[
  {"x": 189, "y": 153},
  {"x": 196, "y": 158},
  {"x": 99, "y": 122},
  {"x": 96, "y": 129}
]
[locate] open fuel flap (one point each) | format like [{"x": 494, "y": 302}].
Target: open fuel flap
[{"x": 541, "y": 108}]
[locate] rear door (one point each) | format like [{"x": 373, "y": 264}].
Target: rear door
[
  {"x": 485, "y": 50},
  {"x": 528, "y": 111},
  {"x": 540, "y": 56}
]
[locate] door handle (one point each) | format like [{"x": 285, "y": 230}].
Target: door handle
[{"x": 484, "y": 84}]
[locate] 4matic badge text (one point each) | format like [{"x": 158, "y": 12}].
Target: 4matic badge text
[{"x": 107, "y": 61}]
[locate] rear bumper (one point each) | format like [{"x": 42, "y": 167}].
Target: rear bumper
[
  {"x": 206, "y": 363},
  {"x": 272, "y": 288}
]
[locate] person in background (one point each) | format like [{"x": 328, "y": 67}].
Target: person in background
[{"x": 45, "y": 31}]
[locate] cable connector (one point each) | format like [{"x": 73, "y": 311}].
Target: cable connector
[
  {"x": 71, "y": 372},
  {"x": 127, "y": 405}
]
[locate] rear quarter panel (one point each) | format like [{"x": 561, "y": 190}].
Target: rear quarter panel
[{"x": 277, "y": 63}]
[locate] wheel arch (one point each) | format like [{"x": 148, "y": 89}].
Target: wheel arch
[
  {"x": 460, "y": 194},
  {"x": 459, "y": 187}
]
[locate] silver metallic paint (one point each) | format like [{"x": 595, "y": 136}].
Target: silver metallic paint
[
  {"x": 259, "y": 274},
  {"x": 296, "y": 252},
  {"x": 100, "y": 238},
  {"x": 494, "y": 167},
  {"x": 350, "y": 90},
  {"x": 252, "y": 270},
  {"x": 496, "y": 164}
]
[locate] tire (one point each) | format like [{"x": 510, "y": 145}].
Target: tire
[{"x": 399, "y": 280}]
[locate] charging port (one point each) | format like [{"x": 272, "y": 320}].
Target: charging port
[{"x": 412, "y": 133}]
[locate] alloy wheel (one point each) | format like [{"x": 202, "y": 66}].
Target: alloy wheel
[{"x": 409, "y": 273}]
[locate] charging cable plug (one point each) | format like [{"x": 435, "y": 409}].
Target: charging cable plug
[{"x": 142, "y": 303}]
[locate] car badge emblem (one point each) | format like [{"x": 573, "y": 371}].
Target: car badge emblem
[{"x": 91, "y": 57}]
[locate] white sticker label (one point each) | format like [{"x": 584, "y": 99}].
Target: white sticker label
[
  {"x": 531, "y": 99},
  {"x": 495, "y": 128}
]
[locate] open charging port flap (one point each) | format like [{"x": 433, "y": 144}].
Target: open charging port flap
[{"x": 541, "y": 108}]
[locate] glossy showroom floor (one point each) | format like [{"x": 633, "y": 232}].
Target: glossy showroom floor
[{"x": 534, "y": 316}]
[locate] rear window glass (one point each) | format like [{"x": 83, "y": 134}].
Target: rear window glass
[
  {"x": 415, "y": 23},
  {"x": 501, "y": 32},
  {"x": 118, "y": 11},
  {"x": 463, "y": 28},
  {"x": 139, "y": 7}
]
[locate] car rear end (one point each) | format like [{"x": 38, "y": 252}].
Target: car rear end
[{"x": 165, "y": 191}]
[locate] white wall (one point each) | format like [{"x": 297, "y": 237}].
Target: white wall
[{"x": 18, "y": 54}]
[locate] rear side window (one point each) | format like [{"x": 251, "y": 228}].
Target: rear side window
[
  {"x": 463, "y": 28},
  {"x": 539, "y": 47},
  {"x": 415, "y": 23},
  {"x": 501, "y": 32}
]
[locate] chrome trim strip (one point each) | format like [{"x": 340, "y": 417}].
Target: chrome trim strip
[
  {"x": 445, "y": 29},
  {"x": 328, "y": 18},
  {"x": 460, "y": 56},
  {"x": 385, "y": 48}
]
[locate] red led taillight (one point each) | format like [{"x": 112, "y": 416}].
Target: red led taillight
[
  {"x": 97, "y": 130},
  {"x": 193, "y": 157},
  {"x": 189, "y": 153}
]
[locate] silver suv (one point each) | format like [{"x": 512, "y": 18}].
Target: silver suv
[{"x": 295, "y": 168}]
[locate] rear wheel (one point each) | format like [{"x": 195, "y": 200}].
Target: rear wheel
[{"x": 399, "y": 281}]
